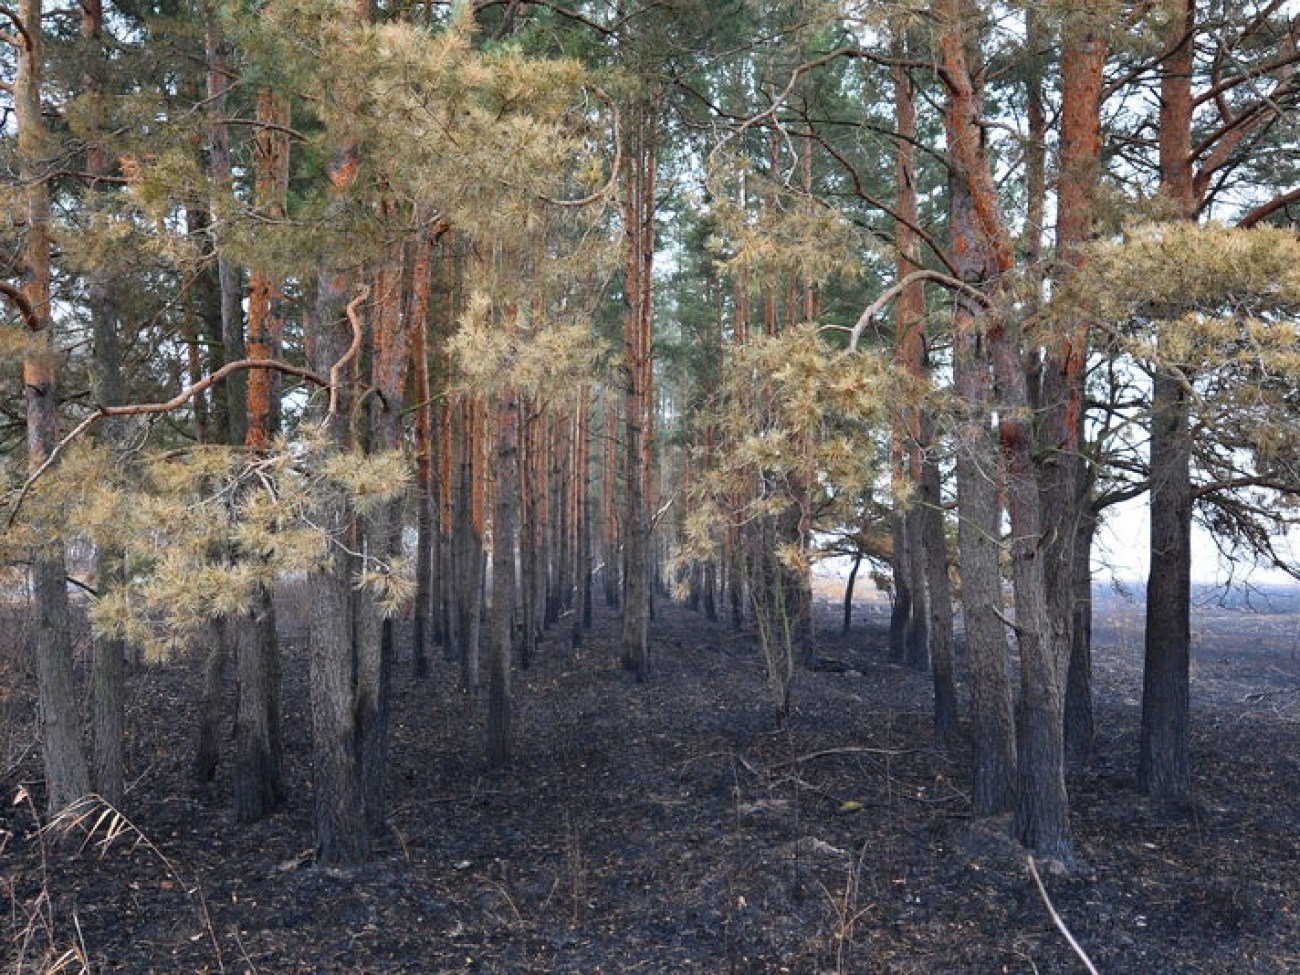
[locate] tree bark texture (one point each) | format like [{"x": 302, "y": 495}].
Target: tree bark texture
[
  {"x": 1164, "y": 759},
  {"x": 501, "y": 641},
  {"x": 638, "y": 230},
  {"x": 979, "y": 530},
  {"x": 258, "y": 768},
  {"x": 1064, "y": 474},
  {"x": 67, "y": 774}
]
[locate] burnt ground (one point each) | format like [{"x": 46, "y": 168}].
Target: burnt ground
[{"x": 674, "y": 827}]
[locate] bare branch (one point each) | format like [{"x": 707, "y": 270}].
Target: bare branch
[
  {"x": 614, "y": 167},
  {"x": 260, "y": 124},
  {"x": 894, "y": 290},
  {"x": 336, "y": 371},
  {"x": 1056, "y": 919},
  {"x": 13, "y": 18},
  {"x": 1265, "y": 210},
  {"x": 24, "y": 305}
]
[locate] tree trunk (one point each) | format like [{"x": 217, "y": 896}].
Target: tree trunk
[
  {"x": 258, "y": 768},
  {"x": 1164, "y": 763},
  {"x": 848, "y": 592},
  {"x": 342, "y": 838},
  {"x": 584, "y": 509},
  {"x": 109, "y": 714},
  {"x": 611, "y": 574},
  {"x": 900, "y": 615},
  {"x": 1042, "y": 820},
  {"x": 1063, "y": 471},
  {"x": 258, "y": 775},
  {"x": 468, "y": 549},
  {"x": 1164, "y": 754},
  {"x": 638, "y": 221},
  {"x": 232, "y": 389},
  {"x": 1080, "y": 725},
  {"x": 212, "y": 702},
  {"x": 67, "y": 776},
  {"x": 500, "y": 647},
  {"x": 425, "y": 494},
  {"x": 935, "y": 541},
  {"x": 979, "y": 530}
]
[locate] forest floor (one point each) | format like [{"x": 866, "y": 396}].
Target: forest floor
[{"x": 674, "y": 827}]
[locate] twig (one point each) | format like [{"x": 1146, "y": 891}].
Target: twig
[
  {"x": 847, "y": 750},
  {"x": 336, "y": 371},
  {"x": 614, "y": 167},
  {"x": 1056, "y": 918}
]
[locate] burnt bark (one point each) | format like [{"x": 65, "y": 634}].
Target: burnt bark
[
  {"x": 1164, "y": 758},
  {"x": 939, "y": 602},
  {"x": 258, "y": 762},
  {"x": 500, "y": 646},
  {"x": 979, "y": 530},
  {"x": 67, "y": 774}
]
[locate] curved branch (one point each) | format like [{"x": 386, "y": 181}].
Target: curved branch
[
  {"x": 23, "y": 304},
  {"x": 614, "y": 167},
  {"x": 894, "y": 290},
  {"x": 141, "y": 409},
  {"x": 19, "y": 26},
  {"x": 1265, "y": 210},
  {"x": 336, "y": 371}
]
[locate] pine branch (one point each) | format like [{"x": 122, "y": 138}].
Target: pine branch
[{"x": 142, "y": 409}]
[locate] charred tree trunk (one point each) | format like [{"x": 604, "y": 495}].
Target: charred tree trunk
[
  {"x": 207, "y": 755},
  {"x": 425, "y": 493},
  {"x": 979, "y": 486},
  {"x": 1064, "y": 467},
  {"x": 900, "y": 616},
  {"x": 258, "y": 768},
  {"x": 638, "y": 221},
  {"x": 1164, "y": 759},
  {"x": 258, "y": 776},
  {"x": 939, "y": 603},
  {"x": 1164, "y": 766},
  {"x": 848, "y": 592},
  {"x": 67, "y": 775},
  {"x": 1080, "y": 724},
  {"x": 500, "y": 647}
]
